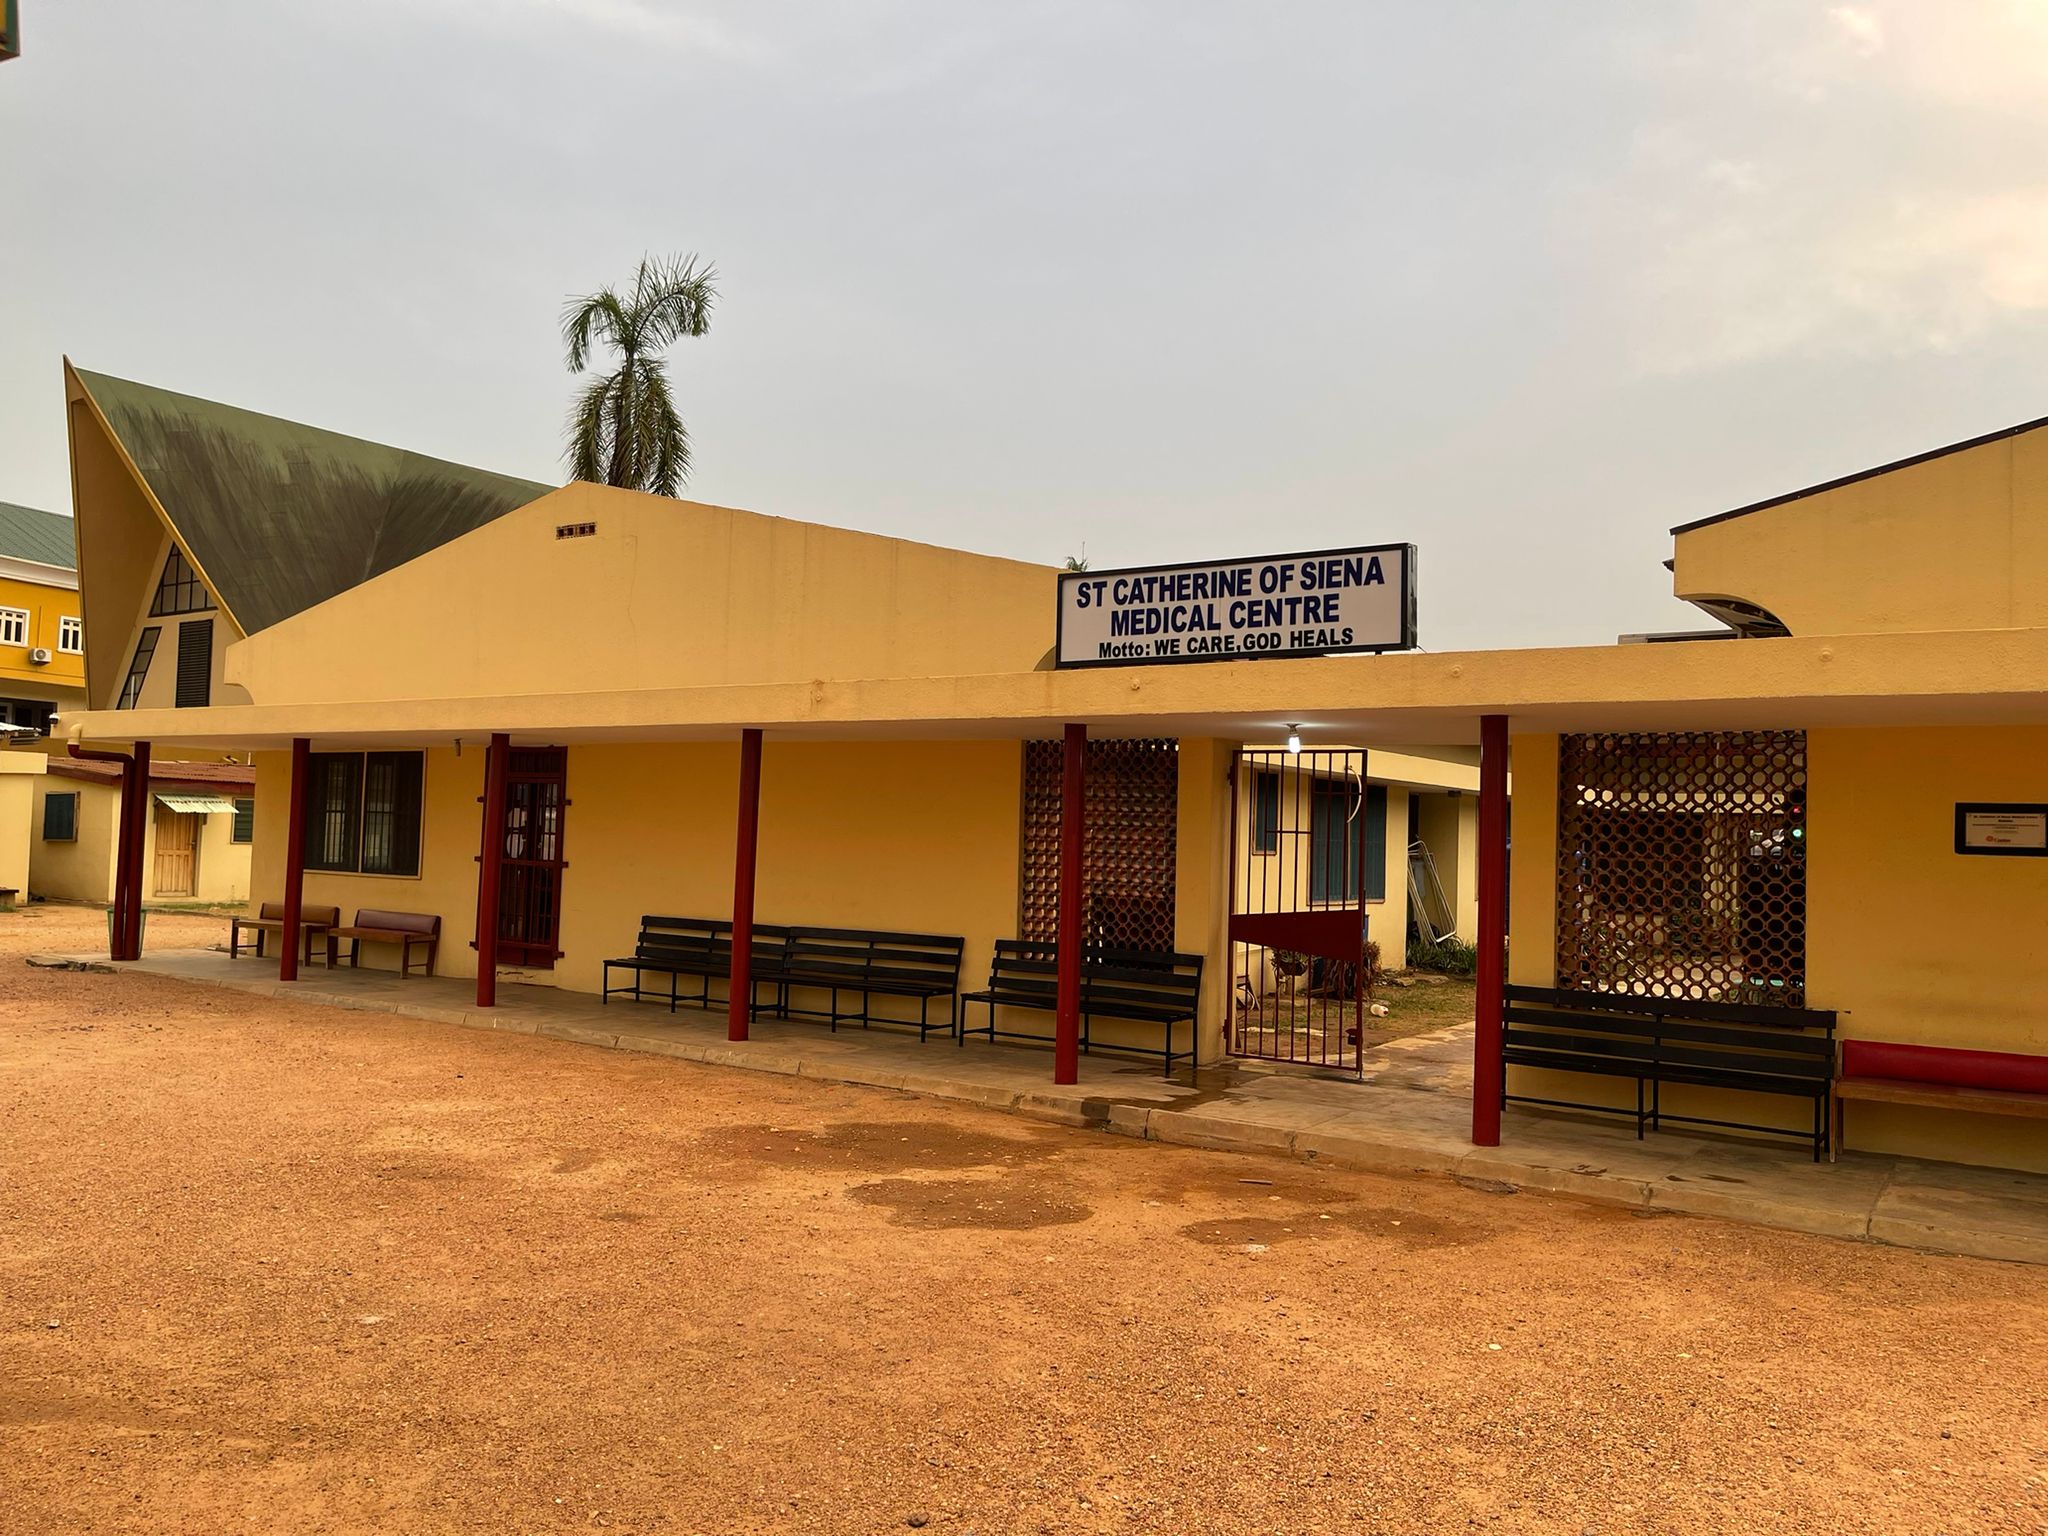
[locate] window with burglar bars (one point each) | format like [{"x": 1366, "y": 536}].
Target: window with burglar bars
[
  {"x": 1681, "y": 865},
  {"x": 1132, "y": 795}
]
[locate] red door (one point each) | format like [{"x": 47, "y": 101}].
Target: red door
[{"x": 530, "y": 889}]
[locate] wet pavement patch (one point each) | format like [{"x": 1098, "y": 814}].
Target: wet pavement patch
[{"x": 1002, "y": 1205}]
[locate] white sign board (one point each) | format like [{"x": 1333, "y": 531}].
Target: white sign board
[
  {"x": 1327, "y": 603},
  {"x": 2002, "y": 829}
]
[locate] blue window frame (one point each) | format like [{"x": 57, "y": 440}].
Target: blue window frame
[
  {"x": 1265, "y": 813},
  {"x": 1334, "y": 861}
]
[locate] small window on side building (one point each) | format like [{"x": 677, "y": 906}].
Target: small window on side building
[
  {"x": 60, "y": 818},
  {"x": 244, "y": 829}
]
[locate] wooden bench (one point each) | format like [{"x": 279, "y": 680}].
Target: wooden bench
[
  {"x": 1658, "y": 1040},
  {"x": 270, "y": 919},
  {"x": 1939, "y": 1077},
  {"x": 1138, "y": 986},
  {"x": 699, "y": 947},
  {"x": 405, "y": 929},
  {"x": 868, "y": 963}
]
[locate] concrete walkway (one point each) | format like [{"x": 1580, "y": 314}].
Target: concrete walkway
[{"x": 1411, "y": 1115}]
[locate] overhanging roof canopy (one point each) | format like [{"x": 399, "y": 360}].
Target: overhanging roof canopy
[
  {"x": 1978, "y": 676},
  {"x": 197, "y": 805}
]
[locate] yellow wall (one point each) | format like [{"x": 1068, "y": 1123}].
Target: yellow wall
[
  {"x": 1201, "y": 882},
  {"x": 1917, "y": 942},
  {"x": 1450, "y": 828},
  {"x": 120, "y": 550},
  {"x": 1958, "y": 542},
  {"x": 664, "y": 594},
  {"x": 82, "y": 869},
  {"x": 20, "y": 772}
]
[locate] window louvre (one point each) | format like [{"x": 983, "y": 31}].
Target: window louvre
[
  {"x": 179, "y": 590},
  {"x": 195, "y": 663},
  {"x": 244, "y": 829},
  {"x": 60, "y": 818},
  {"x": 138, "y": 668}
]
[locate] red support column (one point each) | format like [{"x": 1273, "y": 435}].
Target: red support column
[
  {"x": 1487, "y": 1072},
  {"x": 1066, "y": 1039},
  {"x": 138, "y": 841},
  {"x": 490, "y": 865},
  {"x": 740, "y": 1000},
  {"x": 294, "y": 864}
]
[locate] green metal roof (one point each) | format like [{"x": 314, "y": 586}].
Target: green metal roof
[
  {"x": 43, "y": 537},
  {"x": 282, "y": 516}
]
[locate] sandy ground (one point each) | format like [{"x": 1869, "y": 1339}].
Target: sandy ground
[{"x": 276, "y": 1268}]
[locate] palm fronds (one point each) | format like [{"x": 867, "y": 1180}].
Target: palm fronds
[{"x": 624, "y": 428}]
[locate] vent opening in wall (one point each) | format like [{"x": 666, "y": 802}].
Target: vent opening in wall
[{"x": 574, "y": 530}]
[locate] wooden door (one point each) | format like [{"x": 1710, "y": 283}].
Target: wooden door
[{"x": 177, "y": 842}]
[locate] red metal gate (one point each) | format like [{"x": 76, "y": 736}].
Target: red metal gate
[
  {"x": 1297, "y": 907},
  {"x": 530, "y": 887}
]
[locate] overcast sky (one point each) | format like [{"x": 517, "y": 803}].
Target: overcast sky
[{"x": 1522, "y": 283}]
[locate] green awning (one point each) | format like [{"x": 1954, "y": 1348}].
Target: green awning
[{"x": 197, "y": 805}]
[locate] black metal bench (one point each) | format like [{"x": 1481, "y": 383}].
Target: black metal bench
[
  {"x": 699, "y": 947},
  {"x": 1660, "y": 1040},
  {"x": 868, "y": 963},
  {"x": 1138, "y": 986}
]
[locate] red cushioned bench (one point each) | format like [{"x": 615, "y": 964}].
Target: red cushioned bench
[{"x": 1936, "y": 1077}]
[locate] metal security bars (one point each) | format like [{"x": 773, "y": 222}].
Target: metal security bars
[
  {"x": 1681, "y": 866},
  {"x": 530, "y": 880},
  {"x": 1303, "y": 832},
  {"x": 1132, "y": 809}
]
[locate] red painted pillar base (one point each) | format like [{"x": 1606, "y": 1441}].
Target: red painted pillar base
[
  {"x": 1066, "y": 1040},
  {"x": 740, "y": 1002},
  {"x": 1487, "y": 1072},
  {"x": 294, "y": 864},
  {"x": 490, "y": 869},
  {"x": 140, "y": 841}
]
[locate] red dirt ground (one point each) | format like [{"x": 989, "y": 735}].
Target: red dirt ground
[{"x": 268, "y": 1267}]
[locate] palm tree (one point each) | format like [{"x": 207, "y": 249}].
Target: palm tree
[{"x": 623, "y": 429}]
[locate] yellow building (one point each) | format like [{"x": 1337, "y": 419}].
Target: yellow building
[
  {"x": 42, "y": 637},
  {"x": 1771, "y": 816},
  {"x": 200, "y": 830}
]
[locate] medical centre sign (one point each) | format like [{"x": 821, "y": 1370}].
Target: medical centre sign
[{"x": 1328, "y": 603}]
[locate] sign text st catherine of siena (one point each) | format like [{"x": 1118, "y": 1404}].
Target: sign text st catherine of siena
[{"x": 1326, "y": 603}]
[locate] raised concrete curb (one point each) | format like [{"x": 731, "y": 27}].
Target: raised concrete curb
[{"x": 1962, "y": 1211}]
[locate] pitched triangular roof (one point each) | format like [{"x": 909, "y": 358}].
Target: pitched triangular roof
[
  {"x": 44, "y": 537},
  {"x": 279, "y": 515}
]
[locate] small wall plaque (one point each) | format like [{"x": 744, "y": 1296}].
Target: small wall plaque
[{"x": 2002, "y": 831}]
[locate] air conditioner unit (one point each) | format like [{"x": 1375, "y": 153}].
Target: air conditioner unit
[{"x": 40, "y": 655}]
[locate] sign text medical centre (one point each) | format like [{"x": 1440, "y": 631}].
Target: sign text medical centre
[{"x": 1282, "y": 605}]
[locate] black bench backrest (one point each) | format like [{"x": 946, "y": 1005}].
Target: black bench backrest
[
  {"x": 705, "y": 942},
  {"x": 854, "y": 956},
  {"x": 1110, "y": 978},
  {"x": 1546, "y": 1026},
  {"x": 1025, "y": 969}
]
